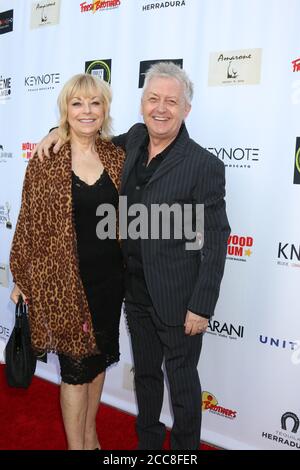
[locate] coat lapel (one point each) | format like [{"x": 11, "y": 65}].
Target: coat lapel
[
  {"x": 130, "y": 160},
  {"x": 132, "y": 155},
  {"x": 174, "y": 157}
]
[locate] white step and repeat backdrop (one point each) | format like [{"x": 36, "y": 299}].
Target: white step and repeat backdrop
[{"x": 244, "y": 59}]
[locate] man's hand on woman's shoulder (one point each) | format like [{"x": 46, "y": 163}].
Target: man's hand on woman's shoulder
[{"x": 42, "y": 148}]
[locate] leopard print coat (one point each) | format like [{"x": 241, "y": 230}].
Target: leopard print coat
[{"x": 43, "y": 257}]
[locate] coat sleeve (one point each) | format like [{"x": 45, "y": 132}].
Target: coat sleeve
[
  {"x": 120, "y": 140},
  {"x": 216, "y": 233},
  {"x": 21, "y": 250},
  {"x": 133, "y": 136}
]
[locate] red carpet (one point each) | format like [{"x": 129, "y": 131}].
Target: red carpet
[{"x": 31, "y": 420}]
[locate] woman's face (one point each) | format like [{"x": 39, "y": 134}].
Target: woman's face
[{"x": 85, "y": 115}]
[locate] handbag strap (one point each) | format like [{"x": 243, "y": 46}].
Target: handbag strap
[{"x": 21, "y": 309}]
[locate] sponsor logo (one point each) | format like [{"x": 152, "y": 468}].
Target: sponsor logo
[
  {"x": 296, "y": 65},
  {"x": 99, "y": 68},
  {"x": 44, "y": 13},
  {"x": 225, "y": 330},
  {"x": 210, "y": 404},
  {"x": 99, "y": 5},
  {"x": 239, "y": 248},
  {"x": 4, "y": 332},
  {"x": 239, "y": 67},
  {"x": 27, "y": 148},
  {"x": 146, "y": 64},
  {"x": 4, "y": 270},
  {"x": 236, "y": 157},
  {"x": 291, "y": 417},
  {"x": 288, "y": 434},
  {"x": 162, "y": 5},
  {"x": 295, "y": 92},
  {"x": 43, "y": 82},
  {"x": 4, "y": 215},
  {"x": 279, "y": 343},
  {"x": 5, "y": 88},
  {"x": 4, "y": 155},
  {"x": 6, "y": 21},
  {"x": 297, "y": 162},
  {"x": 288, "y": 255}
]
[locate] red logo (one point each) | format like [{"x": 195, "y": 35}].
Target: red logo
[
  {"x": 27, "y": 148},
  {"x": 210, "y": 403},
  {"x": 296, "y": 65},
  {"x": 239, "y": 247},
  {"x": 99, "y": 5}
]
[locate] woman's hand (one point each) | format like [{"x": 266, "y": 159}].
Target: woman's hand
[{"x": 15, "y": 294}]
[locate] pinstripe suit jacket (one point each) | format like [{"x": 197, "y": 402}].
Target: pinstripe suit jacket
[{"x": 179, "y": 280}]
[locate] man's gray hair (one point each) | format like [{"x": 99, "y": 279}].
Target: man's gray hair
[{"x": 170, "y": 70}]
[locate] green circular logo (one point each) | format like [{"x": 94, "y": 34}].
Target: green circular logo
[
  {"x": 99, "y": 68},
  {"x": 298, "y": 160}
]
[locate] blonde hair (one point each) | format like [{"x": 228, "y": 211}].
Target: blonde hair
[{"x": 86, "y": 85}]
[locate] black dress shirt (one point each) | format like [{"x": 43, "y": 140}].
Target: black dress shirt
[{"x": 140, "y": 175}]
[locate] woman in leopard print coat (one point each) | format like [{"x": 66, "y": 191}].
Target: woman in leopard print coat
[{"x": 45, "y": 259}]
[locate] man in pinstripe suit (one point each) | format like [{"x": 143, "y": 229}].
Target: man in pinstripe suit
[{"x": 171, "y": 292}]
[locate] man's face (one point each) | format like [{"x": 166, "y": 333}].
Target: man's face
[{"x": 164, "y": 108}]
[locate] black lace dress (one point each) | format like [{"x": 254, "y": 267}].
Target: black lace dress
[{"x": 101, "y": 270}]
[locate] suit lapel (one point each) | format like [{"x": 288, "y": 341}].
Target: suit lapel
[
  {"x": 131, "y": 158},
  {"x": 132, "y": 155},
  {"x": 174, "y": 157}
]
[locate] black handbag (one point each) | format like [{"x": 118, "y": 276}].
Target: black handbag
[{"x": 19, "y": 356}]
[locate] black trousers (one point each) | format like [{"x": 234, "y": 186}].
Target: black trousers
[{"x": 152, "y": 342}]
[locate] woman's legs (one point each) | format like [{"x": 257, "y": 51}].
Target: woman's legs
[
  {"x": 74, "y": 405},
  {"x": 91, "y": 441},
  {"x": 79, "y": 405}
]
